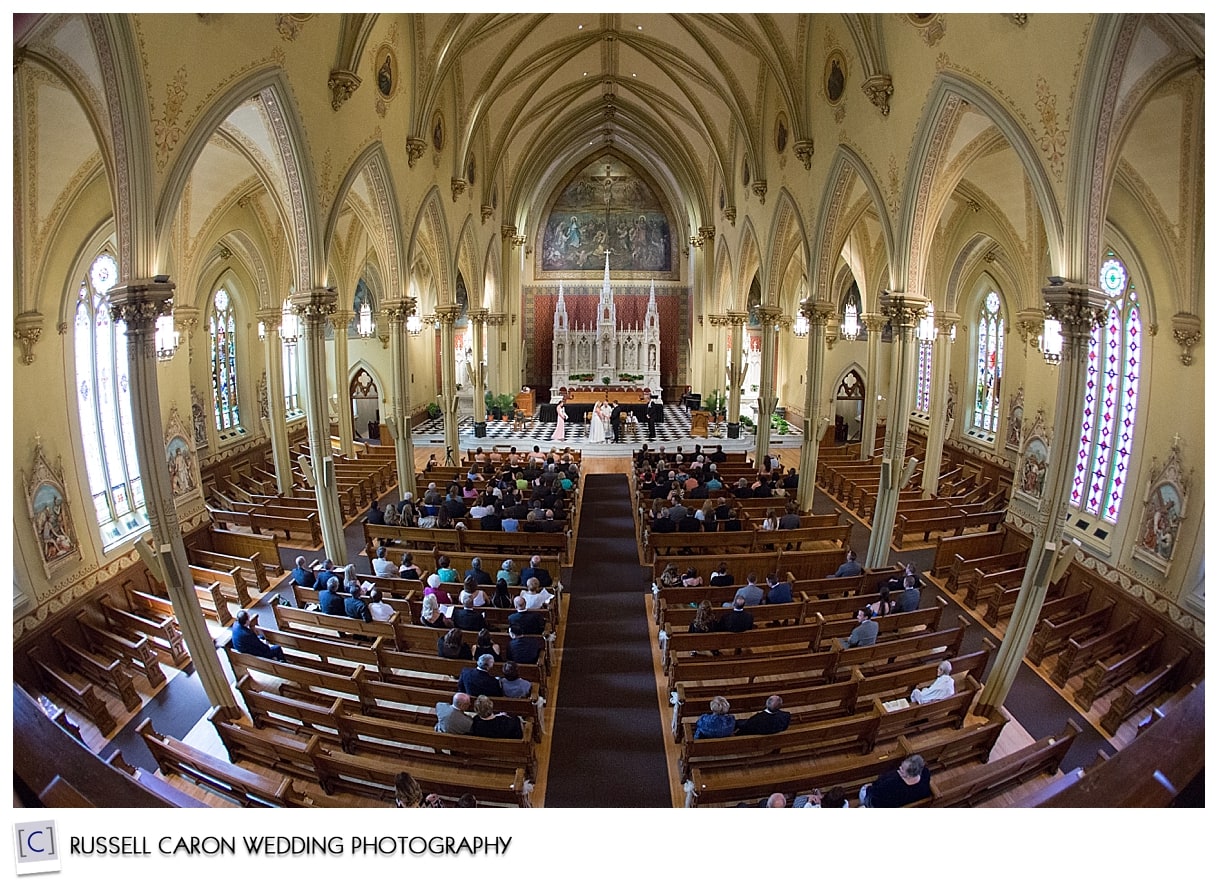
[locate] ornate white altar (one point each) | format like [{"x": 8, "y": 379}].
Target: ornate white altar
[{"x": 585, "y": 356}]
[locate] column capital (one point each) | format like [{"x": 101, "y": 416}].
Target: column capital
[
  {"x": 1030, "y": 322},
  {"x": 27, "y": 329},
  {"x": 736, "y": 318},
  {"x": 873, "y": 321},
  {"x": 1186, "y": 330},
  {"x": 496, "y": 319},
  {"x": 507, "y": 232},
  {"x": 268, "y": 315},
  {"x": 707, "y": 233},
  {"x": 804, "y": 151},
  {"x": 141, "y": 302},
  {"x": 342, "y": 85},
  {"x": 447, "y": 315},
  {"x": 399, "y": 310},
  {"x": 316, "y": 303},
  {"x": 817, "y": 312},
  {"x": 903, "y": 310},
  {"x": 945, "y": 322},
  {"x": 768, "y": 314},
  {"x": 415, "y": 147},
  {"x": 458, "y": 187},
  {"x": 717, "y": 320},
  {"x": 478, "y": 315},
  {"x": 1078, "y": 308},
  {"x": 697, "y": 241},
  {"x": 340, "y": 317}
]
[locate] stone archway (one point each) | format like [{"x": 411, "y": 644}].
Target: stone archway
[
  {"x": 366, "y": 405},
  {"x": 849, "y": 402}
]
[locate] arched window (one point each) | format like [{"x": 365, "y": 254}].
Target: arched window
[
  {"x": 990, "y": 335},
  {"x": 926, "y": 350},
  {"x": 222, "y": 326},
  {"x": 291, "y": 375},
  {"x": 104, "y": 402},
  {"x": 1114, "y": 363}
]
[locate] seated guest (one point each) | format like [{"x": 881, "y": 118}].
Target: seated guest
[
  {"x": 510, "y": 524},
  {"x": 731, "y": 523},
  {"x": 374, "y": 515},
  {"x": 834, "y": 798},
  {"x": 380, "y": 611},
  {"x": 769, "y": 721},
  {"x": 246, "y": 639},
  {"x": 770, "y": 521},
  {"x": 474, "y": 592},
  {"x": 431, "y": 615},
  {"x": 445, "y": 570},
  {"x": 525, "y": 620},
  {"x": 479, "y": 680},
  {"x": 911, "y": 596},
  {"x": 488, "y": 724},
  {"x": 485, "y": 645},
  {"x": 535, "y": 597},
  {"x": 524, "y": 649},
  {"x": 467, "y": 618},
  {"x": 507, "y": 573},
  {"x": 536, "y": 571},
  {"x": 737, "y": 619},
  {"x": 434, "y": 587},
  {"x": 884, "y": 605},
  {"x": 663, "y": 524},
  {"x": 718, "y": 723},
  {"x": 705, "y": 620},
  {"x": 943, "y": 686},
  {"x": 452, "y": 645},
  {"x": 302, "y": 575},
  {"x": 691, "y": 579},
  {"x": 670, "y": 577},
  {"x": 908, "y": 783},
  {"x": 777, "y": 591},
  {"x": 502, "y": 598},
  {"x": 392, "y": 518},
  {"x": 790, "y": 520},
  {"x": 382, "y": 565},
  {"x": 406, "y": 791},
  {"x": 689, "y": 523},
  {"x": 865, "y": 632},
  {"x": 453, "y": 717},
  {"x": 720, "y": 577},
  {"x": 514, "y": 686},
  {"x": 479, "y": 575},
  {"x": 750, "y": 591},
  {"x": 492, "y": 520},
  {"x": 851, "y": 567},
  {"x": 408, "y": 570},
  {"x": 329, "y": 600}
]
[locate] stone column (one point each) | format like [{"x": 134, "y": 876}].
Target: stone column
[
  {"x": 138, "y": 304},
  {"x": 736, "y": 372},
  {"x": 397, "y": 312},
  {"x": 940, "y": 369},
  {"x": 277, "y": 424},
  {"x": 904, "y": 311},
  {"x": 714, "y": 367},
  {"x": 314, "y": 308},
  {"x": 766, "y": 399},
  {"x": 447, "y": 315},
  {"x": 874, "y": 323},
  {"x": 496, "y": 362},
  {"x": 711, "y": 362},
  {"x": 818, "y": 313},
  {"x": 511, "y": 363},
  {"x": 1079, "y": 309},
  {"x": 477, "y": 323},
  {"x": 341, "y": 319}
]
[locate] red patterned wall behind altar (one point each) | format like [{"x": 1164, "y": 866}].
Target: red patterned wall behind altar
[{"x": 539, "y": 302}]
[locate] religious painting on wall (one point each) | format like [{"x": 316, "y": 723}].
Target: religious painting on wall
[
  {"x": 607, "y": 205},
  {"x": 437, "y": 131},
  {"x": 1015, "y": 421},
  {"x": 180, "y": 456},
  {"x": 1163, "y": 511},
  {"x": 835, "y": 76},
  {"x": 781, "y": 133},
  {"x": 1033, "y": 466},
  {"x": 49, "y": 514}
]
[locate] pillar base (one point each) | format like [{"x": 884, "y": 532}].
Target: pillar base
[
  {"x": 480, "y": 430},
  {"x": 733, "y": 430}
]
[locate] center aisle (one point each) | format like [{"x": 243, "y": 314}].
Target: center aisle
[{"x": 607, "y": 747}]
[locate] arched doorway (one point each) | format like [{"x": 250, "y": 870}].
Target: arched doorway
[
  {"x": 848, "y": 408},
  {"x": 366, "y": 406}
]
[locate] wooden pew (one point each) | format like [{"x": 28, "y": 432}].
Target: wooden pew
[
  {"x": 1050, "y": 637},
  {"x": 232, "y": 782},
  {"x": 325, "y": 685},
  {"x": 245, "y": 545},
  {"x": 669, "y": 544},
  {"x": 162, "y": 631},
  {"x": 790, "y": 540},
  {"x": 728, "y": 784},
  {"x": 251, "y": 568},
  {"x": 74, "y": 690},
  {"x": 232, "y": 583},
  {"x": 1132, "y": 699},
  {"x": 956, "y": 524},
  {"x": 892, "y": 626},
  {"x": 335, "y": 656},
  {"x": 521, "y": 544},
  {"x": 288, "y": 618},
  {"x": 944, "y": 713},
  {"x": 945, "y": 750},
  {"x": 150, "y": 781},
  {"x": 211, "y": 602},
  {"x": 1108, "y": 673},
  {"x": 970, "y": 546},
  {"x": 271, "y": 748},
  {"x": 803, "y": 703},
  {"x": 137, "y": 653},
  {"x": 394, "y": 700},
  {"x": 989, "y": 581},
  {"x": 678, "y": 618},
  {"x": 108, "y": 673},
  {"x": 785, "y": 639},
  {"x": 887, "y": 685},
  {"x": 902, "y": 652},
  {"x": 1079, "y": 654},
  {"x": 981, "y": 784},
  {"x": 397, "y": 667}
]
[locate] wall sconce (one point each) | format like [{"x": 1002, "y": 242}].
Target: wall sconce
[
  {"x": 1051, "y": 342},
  {"x": 167, "y": 338}
]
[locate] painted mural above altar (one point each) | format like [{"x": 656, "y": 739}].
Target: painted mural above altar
[{"x": 607, "y": 204}]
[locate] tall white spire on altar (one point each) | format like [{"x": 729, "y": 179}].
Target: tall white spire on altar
[{"x": 583, "y": 356}]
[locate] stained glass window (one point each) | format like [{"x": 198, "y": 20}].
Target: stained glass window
[
  {"x": 922, "y": 403},
  {"x": 291, "y": 374},
  {"x": 1110, "y": 399},
  {"x": 104, "y": 403},
  {"x": 990, "y": 334},
  {"x": 222, "y": 326}
]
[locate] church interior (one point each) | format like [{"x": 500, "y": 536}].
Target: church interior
[{"x": 279, "y": 267}]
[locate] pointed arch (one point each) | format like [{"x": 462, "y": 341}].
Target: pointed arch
[
  {"x": 373, "y": 166},
  {"x": 787, "y": 236},
  {"x": 466, "y": 261},
  {"x": 429, "y": 238},
  {"x": 748, "y": 266},
  {"x": 724, "y": 274},
  {"x": 250, "y": 255},
  {"x": 492, "y": 277}
]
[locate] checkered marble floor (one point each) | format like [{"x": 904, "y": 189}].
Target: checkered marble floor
[{"x": 674, "y": 429}]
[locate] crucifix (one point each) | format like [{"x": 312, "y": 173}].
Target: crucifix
[{"x": 607, "y": 181}]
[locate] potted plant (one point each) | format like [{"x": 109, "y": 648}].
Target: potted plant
[
  {"x": 507, "y": 403},
  {"x": 433, "y": 410},
  {"x": 492, "y": 404},
  {"x": 605, "y": 381}
]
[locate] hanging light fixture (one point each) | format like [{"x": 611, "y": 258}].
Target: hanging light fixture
[
  {"x": 801, "y": 325},
  {"x": 261, "y": 330},
  {"x": 366, "y": 326},
  {"x": 850, "y": 324},
  {"x": 167, "y": 338},
  {"x": 289, "y": 329},
  {"x": 926, "y": 327},
  {"x": 1051, "y": 341},
  {"x": 414, "y": 324}
]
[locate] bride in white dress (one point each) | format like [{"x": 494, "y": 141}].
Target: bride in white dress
[{"x": 596, "y": 425}]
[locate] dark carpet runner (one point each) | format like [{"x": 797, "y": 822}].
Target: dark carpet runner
[{"x": 607, "y": 744}]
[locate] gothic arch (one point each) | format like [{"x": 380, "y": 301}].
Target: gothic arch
[
  {"x": 749, "y": 265},
  {"x": 429, "y": 238},
  {"x": 373, "y": 166},
  {"x": 466, "y": 262},
  {"x": 787, "y": 237}
]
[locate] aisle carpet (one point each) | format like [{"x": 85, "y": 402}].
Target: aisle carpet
[{"x": 608, "y": 748}]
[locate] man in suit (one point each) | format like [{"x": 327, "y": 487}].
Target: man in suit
[
  {"x": 866, "y": 631},
  {"x": 652, "y": 414},
  {"x": 246, "y": 639},
  {"x": 737, "y": 619},
  {"x": 453, "y": 717},
  {"x": 479, "y": 681},
  {"x": 525, "y": 620},
  {"x": 770, "y": 721},
  {"x": 524, "y": 649},
  {"x": 615, "y": 417},
  {"x": 537, "y": 571},
  {"x": 778, "y": 591},
  {"x": 468, "y": 619},
  {"x": 302, "y": 575},
  {"x": 355, "y": 607},
  {"x": 329, "y": 600},
  {"x": 479, "y": 575}
]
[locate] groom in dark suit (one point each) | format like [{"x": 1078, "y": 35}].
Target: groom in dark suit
[
  {"x": 615, "y": 417},
  {"x": 652, "y": 407}
]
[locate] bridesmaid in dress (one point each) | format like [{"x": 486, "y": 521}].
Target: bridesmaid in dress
[{"x": 560, "y": 432}]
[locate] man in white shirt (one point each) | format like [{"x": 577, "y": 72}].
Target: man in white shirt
[
  {"x": 381, "y": 611},
  {"x": 382, "y": 565},
  {"x": 535, "y": 597},
  {"x": 943, "y": 687}
]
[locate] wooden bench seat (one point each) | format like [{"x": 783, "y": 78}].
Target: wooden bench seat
[
  {"x": 398, "y": 666},
  {"x": 784, "y": 639},
  {"x": 1050, "y": 637},
  {"x": 232, "y": 583},
  {"x": 246, "y": 546},
  {"x": 678, "y": 618},
  {"x": 288, "y": 618},
  {"x": 137, "y": 653},
  {"x": 1079, "y": 654},
  {"x": 108, "y": 673},
  {"x": 942, "y": 750},
  {"x": 1133, "y": 698},
  {"x": 396, "y": 700},
  {"x": 211, "y": 602},
  {"x": 955, "y": 524},
  {"x": 1105, "y": 674},
  {"x": 162, "y": 631},
  {"x": 249, "y": 566},
  {"x": 968, "y": 548},
  {"x": 271, "y": 748},
  {"x": 73, "y": 689},
  {"x": 977, "y": 785},
  {"x": 804, "y": 703},
  {"x": 892, "y": 626}
]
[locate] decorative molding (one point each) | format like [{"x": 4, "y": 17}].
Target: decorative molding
[
  {"x": 1014, "y": 437},
  {"x": 507, "y": 232},
  {"x": 415, "y": 147},
  {"x": 1019, "y": 19},
  {"x": 290, "y": 24},
  {"x": 878, "y": 89},
  {"x": 1185, "y": 329},
  {"x": 730, "y": 213},
  {"x": 803, "y": 152},
  {"x": 759, "y": 190},
  {"x": 458, "y": 187},
  {"x": 27, "y": 330},
  {"x": 342, "y": 85},
  {"x": 488, "y": 211},
  {"x": 707, "y": 233}
]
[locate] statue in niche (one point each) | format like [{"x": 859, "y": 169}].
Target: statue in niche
[
  {"x": 199, "y": 417},
  {"x": 561, "y": 350},
  {"x": 651, "y": 358},
  {"x": 628, "y": 354}
]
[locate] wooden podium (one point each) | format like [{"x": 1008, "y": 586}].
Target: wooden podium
[
  {"x": 699, "y": 422},
  {"x": 527, "y": 401}
]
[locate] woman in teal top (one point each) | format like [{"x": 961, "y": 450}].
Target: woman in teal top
[{"x": 508, "y": 573}]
